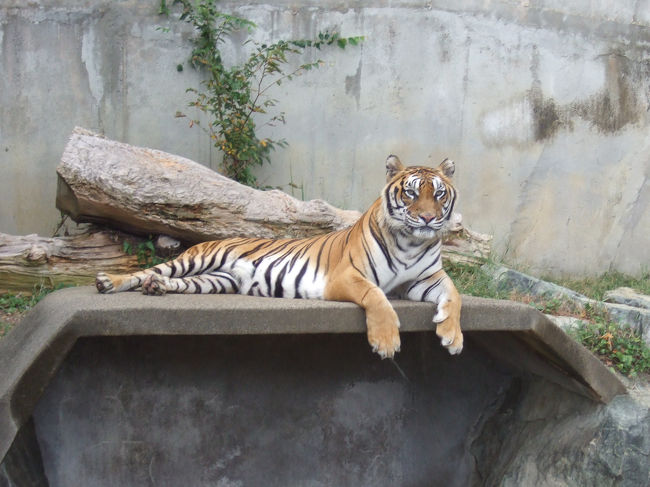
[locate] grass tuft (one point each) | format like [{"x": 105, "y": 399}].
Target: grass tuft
[
  {"x": 13, "y": 306},
  {"x": 595, "y": 287},
  {"x": 618, "y": 347},
  {"x": 470, "y": 279}
]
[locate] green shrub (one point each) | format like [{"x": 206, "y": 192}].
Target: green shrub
[
  {"x": 234, "y": 96},
  {"x": 144, "y": 251},
  {"x": 621, "y": 348}
]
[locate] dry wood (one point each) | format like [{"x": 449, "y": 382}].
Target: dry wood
[
  {"x": 31, "y": 261},
  {"x": 464, "y": 246},
  {"x": 147, "y": 191}
]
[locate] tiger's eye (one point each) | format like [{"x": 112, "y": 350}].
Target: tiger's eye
[
  {"x": 440, "y": 193},
  {"x": 410, "y": 193}
]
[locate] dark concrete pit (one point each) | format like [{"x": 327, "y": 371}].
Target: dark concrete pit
[{"x": 232, "y": 390}]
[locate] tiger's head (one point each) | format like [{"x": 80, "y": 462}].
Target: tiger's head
[{"x": 418, "y": 201}]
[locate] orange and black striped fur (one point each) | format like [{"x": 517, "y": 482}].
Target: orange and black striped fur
[{"x": 394, "y": 247}]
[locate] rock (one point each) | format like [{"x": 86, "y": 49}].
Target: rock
[
  {"x": 628, "y": 296},
  {"x": 543, "y": 435},
  {"x": 167, "y": 243},
  {"x": 636, "y": 318},
  {"x": 565, "y": 322},
  {"x": 506, "y": 279}
]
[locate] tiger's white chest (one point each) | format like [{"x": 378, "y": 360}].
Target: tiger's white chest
[{"x": 407, "y": 265}]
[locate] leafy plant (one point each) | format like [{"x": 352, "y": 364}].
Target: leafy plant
[
  {"x": 144, "y": 251},
  {"x": 17, "y": 303},
  {"x": 13, "y": 305},
  {"x": 619, "y": 347},
  {"x": 549, "y": 306},
  {"x": 234, "y": 96}
]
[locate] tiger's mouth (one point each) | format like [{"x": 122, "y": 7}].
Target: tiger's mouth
[
  {"x": 424, "y": 230},
  {"x": 429, "y": 230}
]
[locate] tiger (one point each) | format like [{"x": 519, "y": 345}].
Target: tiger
[{"x": 395, "y": 247}]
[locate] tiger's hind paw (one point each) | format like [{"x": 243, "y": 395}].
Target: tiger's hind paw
[
  {"x": 154, "y": 285},
  {"x": 104, "y": 283}
]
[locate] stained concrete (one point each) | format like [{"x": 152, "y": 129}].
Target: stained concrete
[
  {"x": 543, "y": 105},
  {"x": 135, "y": 390}
]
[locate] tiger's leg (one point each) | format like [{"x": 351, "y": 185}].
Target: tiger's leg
[
  {"x": 381, "y": 320},
  {"x": 440, "y": 289},
  {"x": 216, "y": 282},
  {"x": 115, "y": 283},
  {"x": 188, "y": 263}
]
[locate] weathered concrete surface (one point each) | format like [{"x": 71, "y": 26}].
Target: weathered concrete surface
[
  {"x": 216, "y": 343},
  {"x": 275, "y": 410},
  {"x": 541, "y": 435},
  {"x": 544, "y": 106}
]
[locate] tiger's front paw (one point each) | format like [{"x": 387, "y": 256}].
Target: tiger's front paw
[
  {"x": 104, "y": 283},
  {"x": 383, "y": 333},
  {"x": 451, "y": 337},
  {"x": 385, "y": 340},
  {"x": 154, "y": 285}
]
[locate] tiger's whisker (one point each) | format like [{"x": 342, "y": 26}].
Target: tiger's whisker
[{"x": 399, "y": 369}]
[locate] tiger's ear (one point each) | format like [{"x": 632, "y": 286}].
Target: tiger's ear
[
  {"x": 393, "y": 166},
  {"x": 447, "y": 167}
]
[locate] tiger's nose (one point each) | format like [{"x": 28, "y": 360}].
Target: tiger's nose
[{"x": 427, "y": 217}]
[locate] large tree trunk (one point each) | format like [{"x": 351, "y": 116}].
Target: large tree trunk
[{"x": 145, "y": 191}]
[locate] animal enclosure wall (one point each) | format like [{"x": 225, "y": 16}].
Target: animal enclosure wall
[
  {"x": 544, "y": 106},
  {"x": 260, "y": 410}
]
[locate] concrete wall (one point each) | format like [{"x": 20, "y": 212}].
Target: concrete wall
[
  {"x": 261, "y": 410},
  {"x": 543, "y": 104}
]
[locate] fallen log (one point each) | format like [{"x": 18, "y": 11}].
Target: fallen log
[
  {"x": 30, "y": 262},
  {"x": 145, "y": 191},
  {"x": 464, "y": 246}
]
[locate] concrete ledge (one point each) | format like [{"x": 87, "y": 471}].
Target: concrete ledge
[{"x": 514, "y": 334}]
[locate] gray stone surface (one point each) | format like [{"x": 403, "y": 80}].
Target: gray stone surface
[
  {"x": 541, "y": 435},
  {"x": 565, "y": 322},
  {"x": 112, "y": 381},
  {"x": 507, "y": 279},
  {"x": 627, "y": 296},
  {"x": 628, "y": 314},
  {"x": 540, "y": 103},
  {"x": 636, "y": 318}
]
